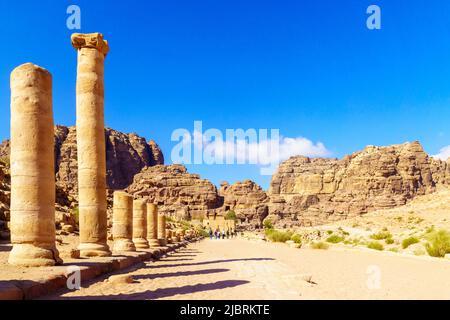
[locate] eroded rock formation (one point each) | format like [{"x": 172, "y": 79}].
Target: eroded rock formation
[
  {"x": 126, "y": 155},
  {"x": 307, "y": 191},
  {"x": 248, "y": 200},
  {"x": 177, "y": 192}
]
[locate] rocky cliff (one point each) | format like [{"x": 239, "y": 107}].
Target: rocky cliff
[
  {"x": 307, "y": 191},
  {"x": 126, "y": 155},
  {"x": 177, "y": 192},
  {"x": 248, "y": 200}
]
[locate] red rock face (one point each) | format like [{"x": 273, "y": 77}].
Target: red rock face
[
  {"x": 308, "y": 191},
  {"x": 176, "y": 191},
  {"x": 126, "y": 155},
  {"x": 248, "y": 200}
]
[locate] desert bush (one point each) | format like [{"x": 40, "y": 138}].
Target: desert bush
[
  {"x": 409, "y": 241},
  {"x": 375, "y": 246},
  {"x": 430, "y": 229},
  {"x": 231, "y": 215},
  {"x": 329, "y": 232},
  {"x": 320, "y": 245},
  {"x": 202, "y": 231},
  {"x": 389, "y": 241},
  {"x": 297, "y": 238},
  {"x": 438, "y": 243},
  {"x": 335, "y": 239},
  {"x": 268, "y": 224},
  {"x": 278, "y": 236},
  {"x": 382, "y": 235}
]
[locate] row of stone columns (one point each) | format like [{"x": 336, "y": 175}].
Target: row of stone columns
[
  {"x": 32, "y": 167},
  {"x": 136, "y": 224}
]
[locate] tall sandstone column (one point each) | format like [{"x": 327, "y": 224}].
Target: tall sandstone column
[
  {"x": 123, "y": 222},
  {"x": 92, "y": 50},
  {"x": 32, "y": 168},
  {"x": 162, "y": 229},
  {"x": 140, "y": 224}
]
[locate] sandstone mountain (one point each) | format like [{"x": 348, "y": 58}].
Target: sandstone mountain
[
  {"x": 307, "y": 191},
  {"x": 126, "y": 155},
  {"x": 176, "y": 191},
  {"x": 303, "y": 192},
  {"x": 248, "y": 200}
]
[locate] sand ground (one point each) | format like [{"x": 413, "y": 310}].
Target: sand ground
[{"x": 241, "y": 269}]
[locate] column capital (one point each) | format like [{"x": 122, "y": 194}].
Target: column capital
[{"x": 90, "y": 40}]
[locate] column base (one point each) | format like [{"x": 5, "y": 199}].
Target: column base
[
  {"x": 31, "y": 255},
  {"x": 123, "y": 245},
  {"x": 153, "y": 243},
  {"x": 162, "y": 242},
  {"x": 140, "y": 243},
  {"x": 94, "y": 250}
]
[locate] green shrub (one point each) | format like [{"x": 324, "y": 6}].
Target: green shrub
[
  {"x": 329, "y": 231},
  {"x": 409, "y": 241},
  {"x": 438, "y": 243},
  {"x": 231, "y": 215},
  {"x": 375, "y": 246},
  {"x": 335, "y": 239},
  {"x": 430, "y": 229},
  {"x": 382, "y": 235},
  {"x": 389, "y": 241},
  {"x": 278, "y": 236},
  {"x": 268, "y": 224},
  {"x": 203, "y": 233},
  {"x": 320, "y": 245},
  {"x": 297, "y": 238}
]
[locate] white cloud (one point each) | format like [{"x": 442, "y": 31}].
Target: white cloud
[
  {"x": 443, "y": 154},
  {"x": 260, "y": 151}
]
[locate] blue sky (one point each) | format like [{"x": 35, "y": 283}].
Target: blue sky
[{"x": 311, "y": 69}]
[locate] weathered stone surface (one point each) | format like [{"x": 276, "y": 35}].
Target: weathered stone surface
[
  {"x": 32, "y": 172},
  {"x": 91, "y": 50},
  {"x": 152, "y": 225},
  {"x": 140, "y": 224},
  {"x": 248, "y": 200},
  {"x": 307, "y": 191},
  {"x": 162, "y": 229},
  {"x": 120, "y": 279},
  {"x": 123, "y": 222},
  {"x": 177, "y": 192}
]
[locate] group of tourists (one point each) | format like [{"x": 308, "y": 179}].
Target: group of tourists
[{"x": 217, "y": 234}]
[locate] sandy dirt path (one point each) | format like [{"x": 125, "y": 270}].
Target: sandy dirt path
[{"x": 241, "y": 269}]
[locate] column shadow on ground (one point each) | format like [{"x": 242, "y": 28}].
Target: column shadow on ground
[
  {"x": 206, "y": 262},
  {"x": 178, "y": 274},
  {"x": 166, "y": 292},
  {"x": 5, "y": 247}
]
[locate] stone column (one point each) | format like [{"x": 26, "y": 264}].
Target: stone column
[
  {"x": 32, "y": 168},
  {"x": 162, "y": 229},
  {"x": 140, "y": 224},
  {"x": 152, "y": 225},
  {"x": 169, "y": 236},
  {"x": 92, "y": 50},
  {"x": 123, "y": 222}
]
